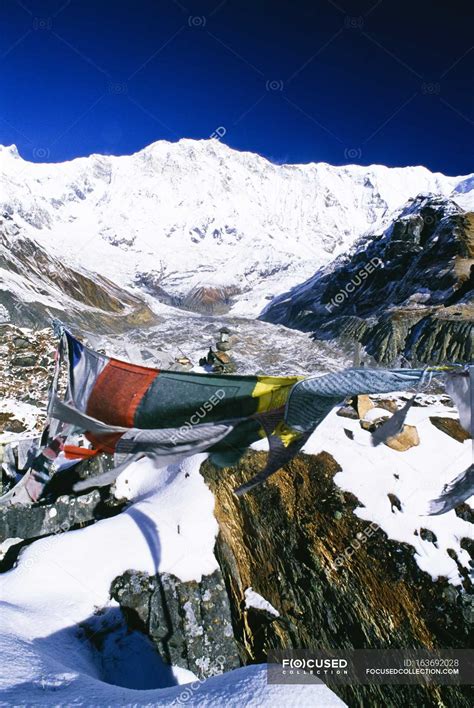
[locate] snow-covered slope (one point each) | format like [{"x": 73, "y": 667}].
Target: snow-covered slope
[
  {"x": 35, "y": 287},
  {"x": 195, "y": 221},
  {"x": 63, "y": 581},
  {"x": 464, "y": 193},
  {"x": 379, "y": 475},
  {"x": 61, "y": 584}
]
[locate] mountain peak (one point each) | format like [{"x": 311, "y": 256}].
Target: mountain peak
[{"x": 10, "y": 150}]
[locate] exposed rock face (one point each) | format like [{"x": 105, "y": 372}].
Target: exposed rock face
[
  {"x": 60, "y": 509},
  {"x": 29, "y": 522},
  {"x": 444, "y": 335},
  {"x": 335, "y": 580},
  {"x": 210, "y": 300},
  {"x": 189, "y": 622},
  {"x": 407, "y": 292},
  {"x": 26, "y": 366},
  {"x": 408, "y": 437},
  {"x": 362, "y": 404},
  {"x": 10, "y": 424},
  {"x": 205, "y": 299}
]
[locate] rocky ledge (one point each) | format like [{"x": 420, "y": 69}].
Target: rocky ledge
[{"x": 288, "y": 541}]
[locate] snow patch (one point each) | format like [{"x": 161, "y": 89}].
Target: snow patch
[
  {"x": 253, "y": 599},
  {"x": 415, "y": 477}
]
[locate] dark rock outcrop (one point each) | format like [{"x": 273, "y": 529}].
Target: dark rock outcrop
[
  {"x": 30, "y": 522},
  {"x": 189, "y": 622},
  {"x": 404, "y": 293},
  {"x": 206, "y": 299},
  {"x": 335, "y": 580},
  {"x": 210, "y": 300}
]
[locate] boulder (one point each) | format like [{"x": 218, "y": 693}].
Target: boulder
[
  {"x": 372, "y": 425},
  {"x": 24, "y": 360},
  {"x": 21, "y": 342},
  {"x": 394, "y": 502},
  {"x": 5, "y": 419},
  {"x": 14, "y": 426},
  {"x": 189, "y": 622},
  {"x": 450, "y": 426},
  {"x": 404, "y": 440},
  {"x": 362, "y": 404},
  {"x": 428, "y": 535},
  {"x": 347, "y": 412},
  {"x": 387, "y": 404}
]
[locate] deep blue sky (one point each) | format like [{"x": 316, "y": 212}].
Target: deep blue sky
[{"x": 342, "y": 81}]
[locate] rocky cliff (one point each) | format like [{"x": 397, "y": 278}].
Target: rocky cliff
[
  {"x": 405, "y": 293},
  {"x": 289, "y": 542}
]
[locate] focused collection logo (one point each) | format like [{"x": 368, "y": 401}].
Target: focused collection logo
[
  {"x": 371, "y": 666},
  {"x": 314, "y": 665}
]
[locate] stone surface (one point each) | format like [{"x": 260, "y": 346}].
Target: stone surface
[
  {"x": 288, "y": 540},
  {"x": 362, "y": 404},
  {"x": 29, "y": 522},
  {"x": 372, "y": 425},
  {"x": 21, "y": 342},
  {"x": 408, "y": 437},
  {"x": 21, "y": 379},
  {"x": 9, "y": 424},
  {"x": 451, "y": 427},
  {"x": 428, "y": 535},
  {"x": 24, "y": 360},
  {"x": 190, "y": 623},
  {"x": 347, "y": 412},
  {"x": 387, "y": 404},
  {"x": 415, "y": 301},
  {"x": 394, "y": 501}
]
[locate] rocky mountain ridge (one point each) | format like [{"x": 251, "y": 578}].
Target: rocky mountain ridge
[
  {"x": 406, "y": 292},
  {"x": 36, "y": 287}
]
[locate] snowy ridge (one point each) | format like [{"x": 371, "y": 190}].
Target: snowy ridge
[
  {"x": 179, "y": 216},
  {"x": 169, "y": 527}
]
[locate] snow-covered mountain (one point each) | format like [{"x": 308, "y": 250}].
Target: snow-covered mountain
[
  {"x": 36, "y": 287},
  {"x": 199, "y": 225}
]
